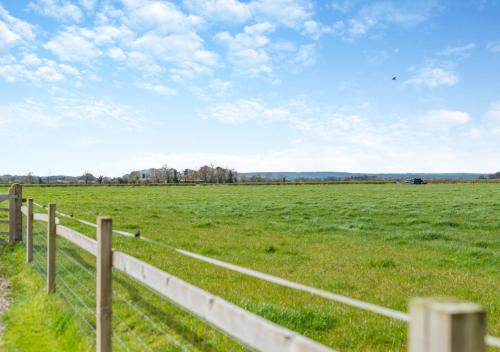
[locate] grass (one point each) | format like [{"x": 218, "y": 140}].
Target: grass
[
  {"x": 34, "y": 320},
  {"x": 380, "y": 243}
]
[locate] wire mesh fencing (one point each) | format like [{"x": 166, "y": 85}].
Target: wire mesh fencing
[
  {"x": 143, "y": 320},
  {"x": 75, "y": 279}
]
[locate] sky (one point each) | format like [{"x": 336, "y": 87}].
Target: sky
[{"x": 257, "y": 85}]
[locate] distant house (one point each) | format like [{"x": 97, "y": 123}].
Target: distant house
[{"x": 415, "y": 181}]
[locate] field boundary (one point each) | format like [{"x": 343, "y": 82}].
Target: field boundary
[
  {"x": 246, "y": 327},
  {"x": 491, "y": 341},
  {"x": 448, "y": 316}
]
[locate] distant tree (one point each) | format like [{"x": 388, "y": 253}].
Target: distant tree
[
  {"x": 230, "y": 176},
  {"x": 87, "y": 177},
  {"x": 133, "y": 177},
  {"x": 496, "y": 175},
  {"x": 204, "y": 173},
  {"x": 100, "y": 179}
]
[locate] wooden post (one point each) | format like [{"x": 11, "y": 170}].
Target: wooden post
[
  {"x": 15, "y": 216},
  {"x": 51, "y": 250},
  {"x": 446, "y": 325},
  {"x": 104, "y": 267},
  {"x": 29, "y": 232},
  {"x": 19, "y": 214}
]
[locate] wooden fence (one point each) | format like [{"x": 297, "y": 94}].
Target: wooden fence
[
  {"x": 14, "y": 221},
  {"x": 435, "y": 325}
]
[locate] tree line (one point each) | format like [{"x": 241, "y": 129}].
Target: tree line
[
  {"x": 205, "y": 174},
  {"x": 164, "y": 174}
]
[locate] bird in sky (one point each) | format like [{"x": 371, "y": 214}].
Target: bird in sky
[{"x": 394, "y": 78}]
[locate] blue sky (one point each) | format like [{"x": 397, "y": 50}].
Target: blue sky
[{"x": 256, "y": 85}]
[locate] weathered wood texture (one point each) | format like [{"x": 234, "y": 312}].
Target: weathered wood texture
[
  {"x": 15, "y": 217},
  {"x": 29, "y": 231},
  {"x": 51, "y": 249},
  {"x": 446, "y": 325},
  {"x": 104, "y": 269}
]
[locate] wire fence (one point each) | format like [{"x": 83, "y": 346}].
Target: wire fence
[{"x": 142, "y": 319}]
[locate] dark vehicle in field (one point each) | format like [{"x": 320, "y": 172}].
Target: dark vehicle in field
[{"x": 415, "y": 181}]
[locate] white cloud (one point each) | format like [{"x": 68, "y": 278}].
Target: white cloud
[
  {"x": 301, "y": 116},
  {"x": 306, "y": 55},
  {"x": 463, "y": 50},
  {"x": 379, "y": 15},
  {"x": 59, "y": 9},
  {"x": 30, "y": 67},
  {"x": 184, "y": 50},
  {"x": 71, "y": 46},
  {"x": 156, "y": 88},
  {"x": 13, "y": 31},
  {"x": 221, "y": 10},
  {"x": 445, "y": 118},
  {"x": 289, "y": 13},
  {"x": 160, "y": 16},
  {"x": 29, "y": 110},
  {"x": 315, "y": 29},
  {"x": 432, "y": 77},
  {"x": 116, "y": 54},
  {"x": 152, "y": 36},
  {"x": 215, "y": 90},
  {"x": 247, "y": 50},
  {"x": 339, "y": 141},
  {"x": 246, "y": 110},
  {"x": 107, "y": 34},
  {"x": 88, "y": 5},
  {"x": 54, "y": 111}
]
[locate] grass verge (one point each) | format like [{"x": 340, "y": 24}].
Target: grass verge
[{"x": 34, "y": 321}]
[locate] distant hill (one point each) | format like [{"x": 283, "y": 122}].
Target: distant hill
[{"x": 339, "y": 175}]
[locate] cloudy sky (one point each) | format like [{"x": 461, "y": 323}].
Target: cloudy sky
[{"x": 256, "y": 85}]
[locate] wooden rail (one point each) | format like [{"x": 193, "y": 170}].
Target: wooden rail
[
  {"x": 244, "y": 326},
  {"x": 15, "y": 198}
]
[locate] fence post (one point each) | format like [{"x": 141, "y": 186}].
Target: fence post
[
  {"x": 19, "y": 215},
  {"x": 104, "y": 267},
  {"x": 15, "y": 216},
  {"x": 51, "y": 249},
  {"x": 29, "y": 232},
  {"x": 446, "y": 325}
]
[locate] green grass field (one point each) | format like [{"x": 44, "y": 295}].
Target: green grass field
[{"x": 383, "y": 244}]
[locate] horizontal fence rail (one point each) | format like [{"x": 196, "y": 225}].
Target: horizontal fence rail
[
  {"x": 248, "y": 328},
  {"x": 4, "y": 197},
  {"x": 387, "y": 312},
  {"x": 491, "y": 341}
]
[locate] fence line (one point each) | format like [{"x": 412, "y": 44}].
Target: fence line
[
  {"x": 123, "y": 233},
  {"x": 387, "y": 312},
  {"x": 242, "y": 325},
  {"x": 491, "y": 341}
]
